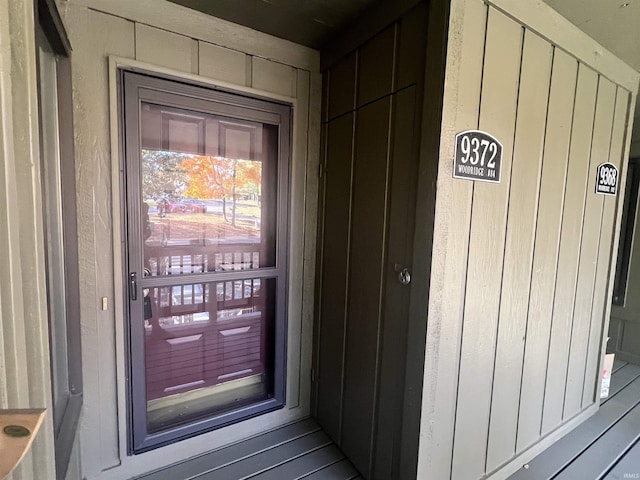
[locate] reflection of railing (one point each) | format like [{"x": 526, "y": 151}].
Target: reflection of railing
[
  {"x": 189, "y": 299},
  {"x": 185, "y": 259},
  {"x": 219, "y": 343}
]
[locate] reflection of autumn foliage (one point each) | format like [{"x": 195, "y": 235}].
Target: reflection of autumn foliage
[{"x": 220, "y": 177}]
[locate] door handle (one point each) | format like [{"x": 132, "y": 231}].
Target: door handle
[{"x": 133, "y": 286}]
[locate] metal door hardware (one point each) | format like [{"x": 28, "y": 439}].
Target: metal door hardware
[
  {"x": 133, "y": 286},
  {"x": 404, "y": 276}
]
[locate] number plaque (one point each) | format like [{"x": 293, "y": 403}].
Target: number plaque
[
  {"x": 478, "y": 156},
  {"x": 607, "y": 179}
]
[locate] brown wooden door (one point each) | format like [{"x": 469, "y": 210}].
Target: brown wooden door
[{"x": 371, "y": 160}]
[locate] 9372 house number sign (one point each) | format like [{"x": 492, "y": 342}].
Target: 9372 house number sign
[{"x": 478, "y": 156}]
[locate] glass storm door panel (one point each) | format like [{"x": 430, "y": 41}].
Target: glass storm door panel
[
  {"x": 208, "y": 190},
  {"x": 206, "y": 176}
]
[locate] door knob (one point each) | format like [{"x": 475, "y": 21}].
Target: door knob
[{"x": 404, "y": 276}]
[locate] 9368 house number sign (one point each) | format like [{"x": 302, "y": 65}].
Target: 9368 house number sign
[
  {"x": 607, "y": 179},
  {"x": 478, "y": 156}
]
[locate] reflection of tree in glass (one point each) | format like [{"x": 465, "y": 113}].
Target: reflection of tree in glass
[
  {"x": 162, "y": 175},
  {"x": 222, "y": 178}
]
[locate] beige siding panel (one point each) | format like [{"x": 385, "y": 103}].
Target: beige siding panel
[
  {"x": 518, "y": 258},
  {"x": 576, "y": 267},
  {"x": 25, "y": 372},
  {"x": 583, "y": 319},
  {"x": 448, "y": 274},
  {"x": 545, "y": 257},
  {"x": 486, "y": 247},
  {"x": 191, "y": 23},
  {"x": 273, "y": 77},
  {"x": 108, "y": 35},
  {"x": 166, "y": 49},
  {"x": 222, "y": 63},
  {"x": 14, "y": 388},
  {"x": 606, "y": 250},
  {"x": 549, "y": 23},
  {"x": 296, "y": 241},
  {"x": 311, "y": 198},
  {"x": 573, "y": 212}
]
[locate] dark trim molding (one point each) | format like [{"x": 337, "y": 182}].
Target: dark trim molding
[
  {"x": 49, "y": 18},
  {"x": 432, "y": 105},
  {"x": 65, "y": 437}
]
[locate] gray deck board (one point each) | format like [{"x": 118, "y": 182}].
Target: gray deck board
[
  {"x": 343, "y": 470},
  {"x": 621, "y": 378},
  {"x": 628, "y": 467},
  {"x": 607, "y": 450},
  {"x": 618, "y": 364},
  {"x": 233, "y": 453},
  {"x": 562, "y": 453},
  {"x": 268, "y": 459},
  {"x": 303, "y": 465}
]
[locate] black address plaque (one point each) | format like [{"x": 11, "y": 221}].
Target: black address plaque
[{"x": 478, "y": 156}]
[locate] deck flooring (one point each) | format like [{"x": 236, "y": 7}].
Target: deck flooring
[
  {"x": 606, "y": 446},
  {"x": 300, "y": 450}
]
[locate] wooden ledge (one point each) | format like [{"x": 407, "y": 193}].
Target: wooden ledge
[{"x": 12, "y": 448}]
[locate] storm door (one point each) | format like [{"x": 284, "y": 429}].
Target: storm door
[{"x": 206, "y": 175}]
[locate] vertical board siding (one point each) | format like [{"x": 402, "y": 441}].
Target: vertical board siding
[
  {"x": 518, "y": 257},
  {"x": 545, "y": 258},
  {"x": 602, "y": 288},
  {"x": 160, "y": 47},
  {"x": 365, "y": 265},
  {"x": 335, "y": 259},
  {"x": 571, "y": 354},
  {"x": 449, "y": 257},
  {"x": 315, "y": 152},
  {"x": 25, "y": 374},
  {"x": 520, "y": 275},
  {"x": 298, "y": 185},
  {"x": 571, "y": 238},
  {"x": 576, "y": 266},
  {"x": 486, "y": 248}
]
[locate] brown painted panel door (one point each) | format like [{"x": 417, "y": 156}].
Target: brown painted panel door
[
  {"x": 372, "y": 135},
  {"x": 367, "y": 243},
  {"x": 368, "y": 232}
]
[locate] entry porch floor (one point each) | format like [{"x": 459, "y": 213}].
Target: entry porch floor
[
  {"x": 606, "y": 446},
  {"x": 299, "y": 450}
]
